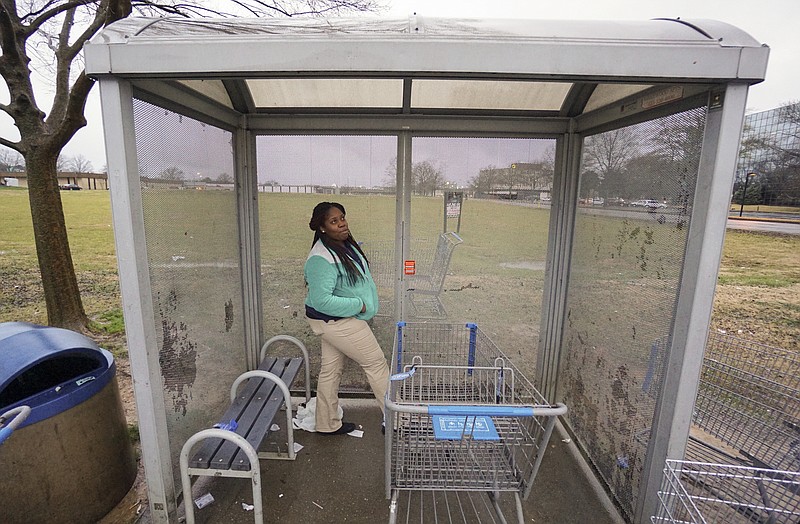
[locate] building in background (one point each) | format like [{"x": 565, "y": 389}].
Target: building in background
[
  {"x": 66, "y": 180},
  {"x": 768, "y": 172}
]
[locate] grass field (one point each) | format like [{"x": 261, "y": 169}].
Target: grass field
[
  {"x": 758, "y": 293},
  {"x": 624, "y": 275}
]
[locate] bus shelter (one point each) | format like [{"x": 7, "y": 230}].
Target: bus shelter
[{"x": 593, "y": 163}]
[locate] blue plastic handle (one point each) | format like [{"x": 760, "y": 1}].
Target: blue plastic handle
[
  {"x": 5, "y": 433},
  {"x": 491, "y": 411}
]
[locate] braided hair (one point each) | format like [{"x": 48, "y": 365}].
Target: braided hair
[{"x": 339, "y": 251}]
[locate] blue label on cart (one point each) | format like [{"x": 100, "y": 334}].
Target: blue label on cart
[{"x": 447, "y": 427}]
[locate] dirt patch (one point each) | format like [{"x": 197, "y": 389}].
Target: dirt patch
[
  {"x": 534, "y": 266},
  {"x": 766, "y": 315}
]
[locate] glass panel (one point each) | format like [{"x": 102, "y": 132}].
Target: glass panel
[
  {"x": 295, "y": 173},
  {"x": 213, "y": 89},
  {"x": 496, "y": 274},
  {"x": 189, "y": 211},
  {"x": 486, "y": 94},
  {"x": 327, "y": 92},
  {"x": 636, "y": 196}
]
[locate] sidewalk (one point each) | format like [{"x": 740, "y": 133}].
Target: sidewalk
[{"x": 341, "y": 479}]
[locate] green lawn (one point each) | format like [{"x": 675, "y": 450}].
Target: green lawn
[{"x": 499, "y": 239}]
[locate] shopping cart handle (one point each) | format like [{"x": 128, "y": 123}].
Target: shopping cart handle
[
  {"x": 494, "y": 411},
  {"x": 20, "y": 414}
]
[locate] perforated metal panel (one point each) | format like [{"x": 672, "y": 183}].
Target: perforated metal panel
[
  {"x": 190, "y": 218},
  {"x": 636, "y": 191}
]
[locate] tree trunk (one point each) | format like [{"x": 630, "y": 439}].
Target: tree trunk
[{"x": 61, "y": 293}]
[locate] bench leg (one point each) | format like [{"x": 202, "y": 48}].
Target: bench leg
[{"x": 255, "y": 470}]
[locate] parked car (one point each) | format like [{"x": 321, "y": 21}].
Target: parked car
[
  {"x": 650, "y": 204},
  {"x": 70, "y": 187},
  {"x": 616, "y": 201}
]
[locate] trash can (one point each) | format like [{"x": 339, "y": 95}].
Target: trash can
[{"x": 71, "y": 459}]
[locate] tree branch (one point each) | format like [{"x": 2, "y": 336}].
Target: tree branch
[
  {"x": 101, "y": 18},
  {"x": 9, "y": 144},
  {"x": 43, "y": 17},
  {"x": 74, "y": 118},
  {"x": 22, "y": 107},
  {"x": 63, "y": 67}
]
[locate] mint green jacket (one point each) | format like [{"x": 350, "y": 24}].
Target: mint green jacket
[{"x": 331, "y": 293}]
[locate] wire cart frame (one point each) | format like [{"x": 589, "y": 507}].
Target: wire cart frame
[
  {"x": 461, "y": 418},
  {"x": 701, "y": 492}
]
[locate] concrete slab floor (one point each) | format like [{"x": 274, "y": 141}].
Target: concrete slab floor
[{"x": 341, "y": 479}]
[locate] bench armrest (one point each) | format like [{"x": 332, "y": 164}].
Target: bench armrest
[
  {"x": 288, "y": 338},
  {"x": 240, "y": 441},
  {"x": 287, "y": 399}
]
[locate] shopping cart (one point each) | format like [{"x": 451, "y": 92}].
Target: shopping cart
[
  {"x": 460, "y": 419},
  {"x": 9, "y": 424},
  {"x": 701, "y": 492}
]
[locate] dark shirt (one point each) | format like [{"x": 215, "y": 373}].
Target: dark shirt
[{"x": 316, "y": 315}]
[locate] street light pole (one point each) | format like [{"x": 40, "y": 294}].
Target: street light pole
[{"x": 744, "y": 191}]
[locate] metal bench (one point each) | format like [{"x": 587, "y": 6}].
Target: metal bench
[{"x": 234, "y": 453}]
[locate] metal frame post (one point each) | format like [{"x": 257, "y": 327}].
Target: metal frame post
[
  {"x": 715, "y": 177},
  {"x": 134, "y": 282},
  {"x": 559, "y": 253},
  {"x": 403, "y": 213},
  {"x": 249, "y": 241}
]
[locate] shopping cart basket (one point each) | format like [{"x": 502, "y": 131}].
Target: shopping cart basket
[
  {"x": 701, "y": 492},
  {"x": 461, "y": 418}
]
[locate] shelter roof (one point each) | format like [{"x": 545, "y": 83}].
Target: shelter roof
[{"x": 424, "y": 65}]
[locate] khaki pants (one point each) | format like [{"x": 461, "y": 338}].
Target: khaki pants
[{"x": 351, "y": 338}]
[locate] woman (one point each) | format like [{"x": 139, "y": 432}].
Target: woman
[{"x": 341, "y": 298}]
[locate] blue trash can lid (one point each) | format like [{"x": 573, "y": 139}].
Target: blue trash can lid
[{"x": 75, "y": 367}]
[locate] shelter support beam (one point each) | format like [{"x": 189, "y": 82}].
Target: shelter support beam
[
  {"x": 134, "y": 282},
  {"x": 249, "y": 241},
  {"x": 673, "y": 413},
  {"x": 403, "y": 212},
  {"x": 562, "y": 224}
]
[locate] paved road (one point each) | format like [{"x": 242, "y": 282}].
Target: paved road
[{"x": 785, "y": 228}]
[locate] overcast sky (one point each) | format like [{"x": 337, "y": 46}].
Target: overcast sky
[{"x": 773, "y": 22}]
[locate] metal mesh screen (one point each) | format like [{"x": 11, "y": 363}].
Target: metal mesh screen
[
  {"x": 635, "y": 200},
  {"x": 190, "y": 220},
  {"x": 495, "y": 274},
  {"x": 295, "y": 173}
]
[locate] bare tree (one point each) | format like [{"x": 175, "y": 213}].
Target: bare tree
[
  {"x": 52, "y": 33},
  {"x": 62, "y": 163},
  {"x": 10, "y": 160},
  {"x": 81, "y": 165},
  {"x": 604, "y": 159},
  {"x": 482, "y": 183},
  {"x": 172, "y": 173},
  {"x": 427, "y": 177}
]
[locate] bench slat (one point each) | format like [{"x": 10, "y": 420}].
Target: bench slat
[
  {"x": 223, "y": 458},
  {"x": 256, "y": 405},
  {"x": 209, "y": 447},
  {"x": 263, "y": 422}
]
